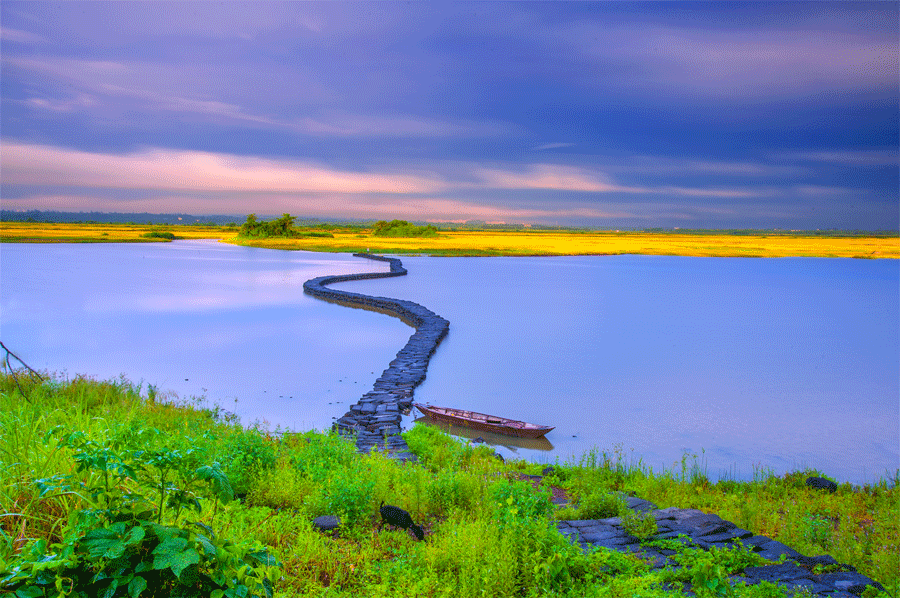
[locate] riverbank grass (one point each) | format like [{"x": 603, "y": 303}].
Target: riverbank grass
[
  {"x": 523, "y": 242},
  {"x": 108, "y": 489}
]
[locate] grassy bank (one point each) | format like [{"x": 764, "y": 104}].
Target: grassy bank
[
  {"x": 44, "y": 232},
  {"x": 484, "y": 243},
  {"x": 107, "y": 489}
]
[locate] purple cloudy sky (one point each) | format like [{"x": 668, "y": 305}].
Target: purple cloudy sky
[{"x": 632, "y": 114}]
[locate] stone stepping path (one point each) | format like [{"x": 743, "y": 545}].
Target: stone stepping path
[
  {"x": 375, "y": 418},
  {"x": 704, "y": 531}
]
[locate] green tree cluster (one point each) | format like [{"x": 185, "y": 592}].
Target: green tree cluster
[
  {"x": 402, "y": 228},
  {"x": 280, "y": 227}
]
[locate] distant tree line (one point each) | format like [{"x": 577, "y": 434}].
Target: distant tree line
[{"x": 113, "y": 218}]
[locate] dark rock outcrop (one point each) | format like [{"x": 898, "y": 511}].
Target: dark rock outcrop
[{"x": 822, "y": 484}]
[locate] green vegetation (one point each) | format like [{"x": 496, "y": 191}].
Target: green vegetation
[
  {"x": 282, "y": 227},
  {"x": 155, "y": 234},
  {"x": 402, "y": 228},
  {"x": 109, "y": 490}
]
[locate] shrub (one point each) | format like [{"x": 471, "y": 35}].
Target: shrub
[
  {"x": 640, "y": 525},
  {"x": 349, "y": 495},
  {"x": 247, "y": 453},
  {"x": 439, "y": 451},
  {"x": 402, "y": 228},
  {"x": 130, "y": 540},
  {"x": 317, "y": 455},
  {"x": 516, "y": 501},
  {"x": 280, "y": 227},
  {"x": 449, "y": 489},
  {"x": 159, "y": 235},
  {"x": 600, "y": 504}
]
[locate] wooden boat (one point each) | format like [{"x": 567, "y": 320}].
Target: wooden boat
[{"x": 481, "y": 421}]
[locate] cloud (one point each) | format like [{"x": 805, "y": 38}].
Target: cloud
[
  {"x": 154, "y": 168},
  {"x": 357, "y": 125},
  {"x": 669, "y": 165},
  {"x": 546, "y": 176},
  {"x": 212, "y": 89},
  {"x": 571, "y": 178},
  {"x": 846, "y": 157},
  {"x": 822, "y": 191},
  {"x": 547, "y": 146},
  {"x": 22, "y": 37},
  {"x": 118, "y": 86},
  {"x": 729, "y": 63},
  {"x": 78, "y": 102}
]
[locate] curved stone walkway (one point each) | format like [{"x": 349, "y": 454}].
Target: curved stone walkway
[{"x": 375, "y": 419}]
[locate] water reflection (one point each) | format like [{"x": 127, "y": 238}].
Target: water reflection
[{"x": 511, "y": 443}]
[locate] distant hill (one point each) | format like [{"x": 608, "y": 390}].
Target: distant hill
[{"x": 147, "y": 218}]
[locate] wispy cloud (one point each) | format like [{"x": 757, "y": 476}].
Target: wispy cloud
[
  {"x": 547, "y": 146},
  {"x": 665, "y": 165},
  {"x": 570, "y": 178},
  {"x": 71, "y": 104},
  {"x": 151, "y": 88},
  {"x": 546, "y": 176},
  {"x": 22, "y": 37},
  {"x": 846, "y": 157},
  {"x": 105, "y": 85},
  {"x": 30, "y": 164},
  {"x": 733, "y": 63},
  {"x": 358, "y": 125}
]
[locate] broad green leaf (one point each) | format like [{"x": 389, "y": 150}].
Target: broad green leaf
[
  {"x": 176, "y": 560},
  {"x": 137, "y": 534},
  {"x": 218, "y": 481},
  {"x": 209, "y": 548},
  {"x": 264, "y": 558},
  {"x": 110, "y": 591},
  {"x": 137, "y": 585},
  {"x": 108, "y": 548},
  {"x": 205, "y": 528}
]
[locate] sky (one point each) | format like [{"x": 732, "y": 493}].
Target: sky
[{"x": 601, "y": 114}]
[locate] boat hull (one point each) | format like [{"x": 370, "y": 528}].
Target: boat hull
[{"x": 484, "y": 422}]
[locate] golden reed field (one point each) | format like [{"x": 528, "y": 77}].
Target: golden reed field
[{"x": 480, "y": 243}]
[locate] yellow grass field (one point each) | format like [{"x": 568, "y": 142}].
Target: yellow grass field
[
  {"x": 479, "y": 243},
  {"x": 40, "y": 232},
  {"x": 600, "y": 243}
]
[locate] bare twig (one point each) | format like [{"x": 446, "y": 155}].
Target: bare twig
[{"x": 13, "y": 372}]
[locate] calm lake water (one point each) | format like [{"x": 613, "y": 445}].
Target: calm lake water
[{"x": 751, "y": 364}]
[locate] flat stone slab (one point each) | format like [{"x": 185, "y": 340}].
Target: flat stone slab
[{"x": 699, "y": 530}]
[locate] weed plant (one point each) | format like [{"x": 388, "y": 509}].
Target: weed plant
[{"x": 108, "y": 490}]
